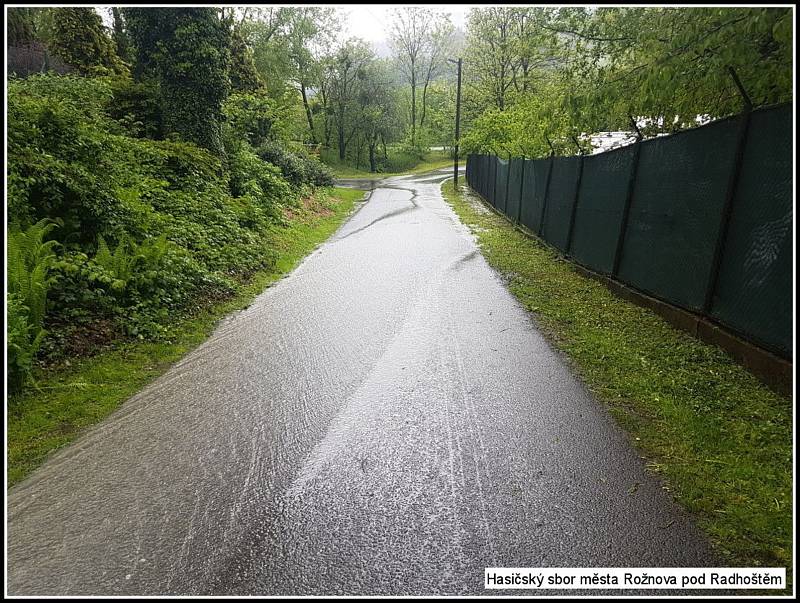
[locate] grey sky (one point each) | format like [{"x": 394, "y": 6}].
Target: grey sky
[
  {"x": 370, "y": 21},
  {"x": 373, "y": 21}
]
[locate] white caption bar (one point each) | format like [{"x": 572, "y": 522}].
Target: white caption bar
[{"x": 771, "y": 578}]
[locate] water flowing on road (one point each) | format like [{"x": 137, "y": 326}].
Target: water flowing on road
[{"x": 386, "y": 419}]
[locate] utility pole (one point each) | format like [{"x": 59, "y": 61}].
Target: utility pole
[{"x": 458, "y": 122}]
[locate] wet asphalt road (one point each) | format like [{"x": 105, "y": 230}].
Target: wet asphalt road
[{"x": 384, "y": 420}]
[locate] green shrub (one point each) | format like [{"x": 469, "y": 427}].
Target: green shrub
[
  {"x": 61, "y": 157},
  {"x": 252, "y": 117},
  {"x": 147, "y": 228},
  {"x": 136, "y": 106},
  {"x": 418, "y": 150},
  {"x": 290, "y": 165},
  {"x": 298, "y": 168},
  {"x": 80, "y": 39},
  {"x": 250, "y": 176},
  {"x": 316, "y": 172}
]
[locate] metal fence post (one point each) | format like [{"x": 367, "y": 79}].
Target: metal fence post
[
  {"x": 521, "y": 190},
  {"x": 494, "y": 186},
  {"x": 628, "y": 199},
  {"x": 508, "y": 181},
  {"x": 546, "y": 190},
  {"x": 574, "y": 206},
  {"x": 730, "y": 194}
]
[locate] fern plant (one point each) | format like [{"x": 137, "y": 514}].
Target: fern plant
[
  {"x": 151, "y": 251},
  {"x": 28, "y": 264},
  {"x": 120, "y": 263},
  {"x": 29, "y": 258},
  {"x": 21, "y": 344}
]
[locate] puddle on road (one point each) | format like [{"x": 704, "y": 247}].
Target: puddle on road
[{"x": 360, "y": 184}]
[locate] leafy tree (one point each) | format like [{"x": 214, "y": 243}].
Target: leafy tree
[
  {"x": 490, "y": 56},
  {"x": 243, "y": 73},
  {"x": 120, "y": 36},
  {"x": 440, "y": 42},
  {"x": 188, "y": 50},
  {"x": 597, "y": 69},
  {"x": 376, "y": 114},
  {"x": 676, "y": 63},
  {"x": 420, "y": 38},
  {"x": 346, "y": 69},
  {"x": 20, "y": 26},
  {"x": 262, "y": 28},
  {"x": 309, "y": 31},
  {"x": 146, "y": 27},
  {"x": 80, "y": 40}
]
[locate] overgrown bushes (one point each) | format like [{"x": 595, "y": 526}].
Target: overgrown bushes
[
  {"x": 137, "y": 230},
  {"x": 297, "y": 167}
]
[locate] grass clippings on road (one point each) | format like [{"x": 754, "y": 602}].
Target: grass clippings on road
[
  {"x": 65, "y": 401},
  {"x": 720, "y": 440}
]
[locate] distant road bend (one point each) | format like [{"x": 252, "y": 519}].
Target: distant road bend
[{"x": 387, "y": 419}]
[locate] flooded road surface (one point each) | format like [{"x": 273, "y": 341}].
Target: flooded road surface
[{"x": 384, "y": 420}]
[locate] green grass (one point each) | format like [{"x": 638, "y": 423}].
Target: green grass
[
  {"x": 720, "y": 440},
  {"x": 432, "y": 161},
  {"x": 64, "y": 401}
]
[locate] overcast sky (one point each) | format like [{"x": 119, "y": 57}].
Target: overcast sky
[
  {"x": 369, "y": 21},
  {"x": 372, "y": 21}
]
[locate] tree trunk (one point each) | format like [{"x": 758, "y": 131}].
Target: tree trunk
[
  {"x": 340, "y": 127},
  {"x": 359, "y": 150},
  {"x": 413, "y": 104},
  {"x": 383, "y": 142},
  {"x": 308, "y": 113},
  {"x": 326, "y": 120},
  {"x": 373, "y": 167},
  {"x": 424, "y": 96}
]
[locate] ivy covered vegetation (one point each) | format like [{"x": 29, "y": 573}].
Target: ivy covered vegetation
[{"x": 139, "y": 189}]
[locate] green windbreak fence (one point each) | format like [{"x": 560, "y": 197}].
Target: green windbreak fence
[
  {"x": 701, "y": 219},
  {"x": 681, "y": 184},
  {"x": 535, "y": 180},
  {"x": 501, "y": 184},
  {"x": 753, "y": 291},
  {"x": 598, "y": 218},
  {"x": 515, "y": 175},
  {"x": 560, "y": 200}
]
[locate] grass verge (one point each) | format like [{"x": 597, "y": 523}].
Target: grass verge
[
  {"x": 720, "y": 440},
  {"x": 432, "y": 161},
  {"x": 64, "y": 401}
]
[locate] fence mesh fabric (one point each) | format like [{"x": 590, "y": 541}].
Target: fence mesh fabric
[
  {"x": 502, "y": 184},
  {"x": 535, "y": 178},
  {"x": 675, "y": 221},
  {"x": 560, "y": 201},
  {"x": 675, "y": 213},
  {"x": 513, "y": 194},
  {"x": 493, "y": 181},
  {"x": 754, "y": 289},
  {"x": 598, "y": 216}
]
